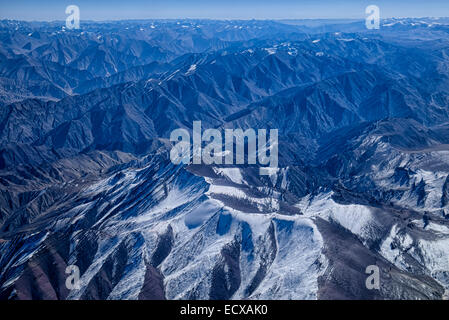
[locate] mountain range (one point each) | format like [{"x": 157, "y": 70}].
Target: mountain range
[{"x": 86, "y": 177}]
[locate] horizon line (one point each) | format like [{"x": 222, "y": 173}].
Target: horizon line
[{"x": 222, "y": 19}]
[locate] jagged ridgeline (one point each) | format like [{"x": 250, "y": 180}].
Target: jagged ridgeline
[{"x": 362, "y": 179}]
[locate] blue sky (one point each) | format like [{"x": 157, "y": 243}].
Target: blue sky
[{"x": 218, "y": 9}]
